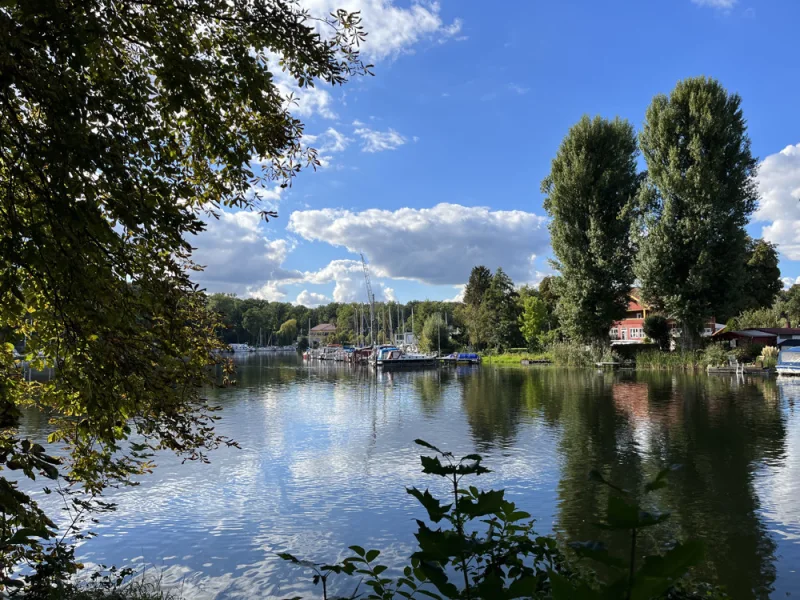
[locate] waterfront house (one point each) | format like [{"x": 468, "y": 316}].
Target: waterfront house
[
  {"x": 761, "y": 336},
  {"x": 630, "y": 329},
  {"x": 319, "y": 334}
]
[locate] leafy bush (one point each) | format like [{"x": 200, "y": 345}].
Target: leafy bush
[
  {"x": 485, "y": 548},
  {"x": 715, "y": 355},
  {"x": 747, "y": 353},
  {"x": 571, "y": 354}
]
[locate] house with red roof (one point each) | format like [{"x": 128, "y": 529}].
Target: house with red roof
[{"x": 630, "y": 329}]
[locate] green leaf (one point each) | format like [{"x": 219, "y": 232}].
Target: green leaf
[
  {"x": 372, "y": 555},
  {"x": 427, "y": 445},
  {"x": 436, "y": 511},
  {"x": 436, "y": 575},
  {"x": 358, "y": 550}
]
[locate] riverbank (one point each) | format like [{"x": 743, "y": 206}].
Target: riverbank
[{"x": 509, "y": 358}]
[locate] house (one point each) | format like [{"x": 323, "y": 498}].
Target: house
[
  {"x": 630, "y": 330},
  {"x": 319, "y": 334},
  {"x": 762, "y": 336}
]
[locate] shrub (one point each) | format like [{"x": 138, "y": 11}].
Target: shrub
[
  {"x": 571, "y": 354},
  {"x": 716, "y": 355},
  {"x": 747, "y": 353},
  {"x": 769, "y": 356}
]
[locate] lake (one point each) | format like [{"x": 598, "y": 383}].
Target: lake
[{"x": 327, "y": 451}]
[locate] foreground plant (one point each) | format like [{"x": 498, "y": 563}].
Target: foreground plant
[{"x": 486, "y": 548}]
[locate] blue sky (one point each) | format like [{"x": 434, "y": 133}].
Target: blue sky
[{"x": 435, "y": 164}]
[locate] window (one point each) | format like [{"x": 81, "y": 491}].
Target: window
[
  {"x": 614, "y": 333},
  {"x": 636, "y": 333},
  {"x": 623, "y": 334},
  {"x": 707, "y": 331},
  {"x": 638, "y": 315}
]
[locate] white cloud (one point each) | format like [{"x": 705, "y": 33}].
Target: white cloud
[
  {"x": 518, "y": 89},
  {"x": 348, "y": 279},
  {"x": 789, "y": 282},
  {"x": 779, "y": 186},
  {"x": 391, "y": 29},
  {"x": 272, "y": 291},
  {"x": 438, "y": 245},
  {"x": 459, "y": 297},
  {"x": 235, "y": 251},
  {"x": 724, "y": 4},
  {"x": 378, "y": 141},
  {"x": 333, "y": 141},
  {"x": 311, "y": 299}
]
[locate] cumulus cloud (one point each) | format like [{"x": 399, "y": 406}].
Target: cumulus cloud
[
  {"x": 378, "y": 141},
  {"x": 272, "y": 291},
  {"x": 779, "y": 186},
  {"x": 723, "y": 4},
  {"x": 438, "y": 245},
  {"x": 789, "y": 282},
  {"x": 459, "y": 297},
  {"x": 235, "y": 250},
  {"x": 348, "y": 279},
  {"x": 311, "y": 299},
  {"x": 392, "y": 29},
  {"x": 334, "y": 141}
]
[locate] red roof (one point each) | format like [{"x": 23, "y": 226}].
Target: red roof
[{"x": 324, "y": 327}]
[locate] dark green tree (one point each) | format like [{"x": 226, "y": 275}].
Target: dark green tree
[
  {"x": 656, "y": 327},
  {"x": 699, "y": 194},
  {"x": 590, "y": 196},
  {"x": 480, "y": 278},
  {"x": 762, "y": 275},
  {"x": 123, "y": 125},
  {"x": 500, "y": 301}
]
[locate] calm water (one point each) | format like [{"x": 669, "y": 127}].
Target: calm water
[{"x": 327, "y": 452}]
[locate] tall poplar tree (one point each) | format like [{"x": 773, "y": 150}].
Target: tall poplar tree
[
  {"x": 590, "y": 196},
  {"x": 700, "y": 192}
]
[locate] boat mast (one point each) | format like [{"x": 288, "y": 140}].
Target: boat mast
[{"x": 371, "y": 300}]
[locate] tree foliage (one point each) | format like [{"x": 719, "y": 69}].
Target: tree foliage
[
  {"x": 762, "y": 275},
  {"x": 435, "y": 335},
  {"x": 656, "y": 327},
  {"x": 590, "y": 196},
  {"x": 532, "y": 321},
  {"x": 480, "y": 278},
  {"x": 699, "y": 194},
  {"x": 123, "y": 125}
]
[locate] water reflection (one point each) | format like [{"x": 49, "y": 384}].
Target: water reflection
[{"x": 327, "y": 452}]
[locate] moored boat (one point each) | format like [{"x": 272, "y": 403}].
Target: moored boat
[
  {"x": 789, "y": 361},
  {"x": 461, "y": 358},
  {"x": 392, "y": 357}
]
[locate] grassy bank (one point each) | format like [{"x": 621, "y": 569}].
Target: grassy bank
[
  {"x": 657, "y": 360},
  {"x": 513, "y": 358}
]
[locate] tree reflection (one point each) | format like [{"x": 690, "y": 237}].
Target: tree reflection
[{"x": 717, "y": 429}]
